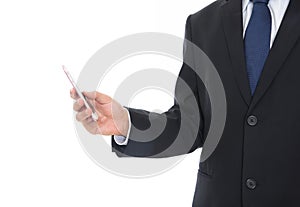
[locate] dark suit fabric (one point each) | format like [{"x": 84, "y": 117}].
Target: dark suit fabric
[{"x": 267, "y": 152}]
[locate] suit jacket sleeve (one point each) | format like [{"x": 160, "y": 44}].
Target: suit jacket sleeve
[{"x": 182, "y": 123}]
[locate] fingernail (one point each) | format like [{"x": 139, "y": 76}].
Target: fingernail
[{"x": 88, "y": 111}]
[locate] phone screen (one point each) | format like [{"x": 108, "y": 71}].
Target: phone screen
[{"x": 78, "y": 91}]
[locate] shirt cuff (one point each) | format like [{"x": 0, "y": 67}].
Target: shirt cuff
[{"x": 121, "y": 140}]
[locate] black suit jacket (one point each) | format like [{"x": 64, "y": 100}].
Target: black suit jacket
[{"x": 266, "y": 149}]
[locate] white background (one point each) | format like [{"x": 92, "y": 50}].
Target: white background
[{"x": 41, "y": 160}]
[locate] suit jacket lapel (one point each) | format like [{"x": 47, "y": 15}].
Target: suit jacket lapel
[
  {"x": 233, "y": 29},
  {"x": 285, "y": 40}
]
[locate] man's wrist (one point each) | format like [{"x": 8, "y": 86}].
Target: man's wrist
[
  {"x": 123, "y": 139},
  {"x": 126, "y": 125}
]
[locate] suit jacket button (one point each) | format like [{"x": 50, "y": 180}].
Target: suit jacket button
[
  {"x": 252, "y": 120},
  {"x": 251, "y": 184}
]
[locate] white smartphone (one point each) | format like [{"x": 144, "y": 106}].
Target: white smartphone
[{"x": 78, "y": 91}]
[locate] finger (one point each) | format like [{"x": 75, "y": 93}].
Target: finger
[
  {"x": 74, "y": 94},
  {"x": 91, "y": 125},
  {"x": 81, "y": 116},
  {"x": 99, "y": 97},
  {"x": 88, "y": 121},
  {"x": 78, "y": 105}
]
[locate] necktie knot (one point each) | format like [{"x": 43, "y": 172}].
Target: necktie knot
[{"x": 260, "y": 1}]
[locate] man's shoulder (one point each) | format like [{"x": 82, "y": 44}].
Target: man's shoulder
[{"x": 209, "y": 12}]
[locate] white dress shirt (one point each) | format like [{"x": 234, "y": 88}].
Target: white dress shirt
[{"x": 277, "y": 9}]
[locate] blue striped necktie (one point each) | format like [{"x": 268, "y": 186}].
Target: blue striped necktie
[{"x": 257, "y": 41}]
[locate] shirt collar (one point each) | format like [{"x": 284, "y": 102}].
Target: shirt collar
[{"x": 245, "y": 4}]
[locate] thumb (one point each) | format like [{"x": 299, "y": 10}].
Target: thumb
[{"x": 99, "y": 97}]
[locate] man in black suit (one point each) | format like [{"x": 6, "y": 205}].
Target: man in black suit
[{"x": 255, "y": 48}]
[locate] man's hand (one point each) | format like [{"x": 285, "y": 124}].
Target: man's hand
[{"x": 113, "y": 118}]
